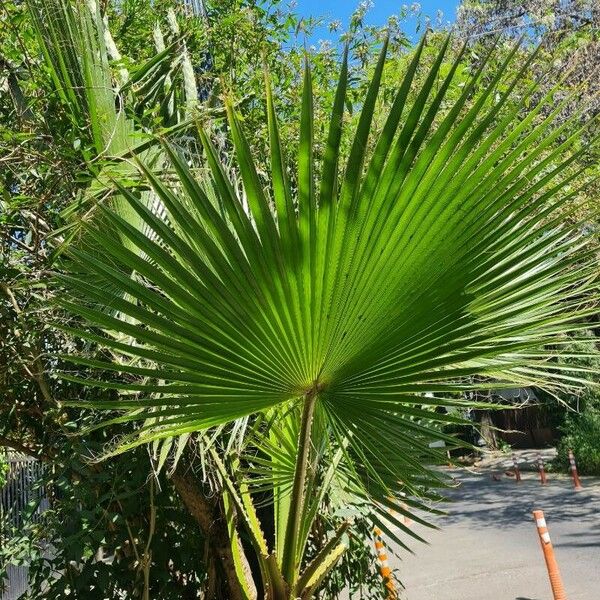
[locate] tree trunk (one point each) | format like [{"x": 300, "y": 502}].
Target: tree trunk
[
  {"x": 487, "y": 430},
  {"x": 207, "y": 513}
]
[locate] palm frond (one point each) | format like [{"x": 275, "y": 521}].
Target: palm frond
[{"x": 438, "y": 263}]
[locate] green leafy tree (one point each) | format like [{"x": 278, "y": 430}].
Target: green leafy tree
[
  {"x": 106, "y": 531},
  {"x": 567, "y": 35}
]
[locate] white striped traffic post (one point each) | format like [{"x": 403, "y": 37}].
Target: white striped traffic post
[
  {"x": 576, "y": 482},
  {"x": 517, "y": 470},
  {"x": 558, "y": 590}
]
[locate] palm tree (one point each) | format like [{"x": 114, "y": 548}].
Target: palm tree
[{"x": 340, "y": 308}]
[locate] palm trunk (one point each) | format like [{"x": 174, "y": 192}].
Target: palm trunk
[{"x": 207, "y": 513}]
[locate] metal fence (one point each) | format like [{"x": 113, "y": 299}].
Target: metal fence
[{"x": 15, "y": 497}]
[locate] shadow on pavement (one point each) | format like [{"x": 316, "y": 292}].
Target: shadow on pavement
[
  {"x": 483, "y": 502},
  {"x": 592, "y": 539}
]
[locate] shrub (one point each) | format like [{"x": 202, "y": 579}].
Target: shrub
[
  {"x": 3, "y": 471},
  {"x": 582, "y": 435}
]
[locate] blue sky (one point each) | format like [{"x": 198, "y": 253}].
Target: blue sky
[{"x": 377, "y": 15}]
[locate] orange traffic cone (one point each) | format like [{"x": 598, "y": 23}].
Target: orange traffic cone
[
  {"x": 558, "y": 591},
  {"x": 517, "y": 471},
  {"x": 384, "y": 568},
  {"x": 576, "y": 483}
]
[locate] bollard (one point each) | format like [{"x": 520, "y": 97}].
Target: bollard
[
  {"x": 542, "y": 471},
  {"x": 384, "y": 568},
  {"x": 558, "y": 591},
  {"x": 517, "y": 471},
  {"x": 576, "y": 483}
]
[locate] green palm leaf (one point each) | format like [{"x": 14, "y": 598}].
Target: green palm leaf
[{"x": 442, "y": 262}]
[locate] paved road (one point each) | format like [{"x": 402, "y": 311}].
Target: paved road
[{"x": 488, "y": 549}]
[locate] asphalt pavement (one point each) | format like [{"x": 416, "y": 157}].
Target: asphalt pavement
[{"x": 487, "y": 547}]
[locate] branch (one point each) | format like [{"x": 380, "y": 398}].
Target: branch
[{"x": 37, "y": 372}]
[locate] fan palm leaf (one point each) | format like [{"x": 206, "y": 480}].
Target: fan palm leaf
[{"x": 355, "y": 301}]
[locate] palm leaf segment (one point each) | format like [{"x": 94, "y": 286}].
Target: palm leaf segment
[{"x": 378, "y": 291}]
